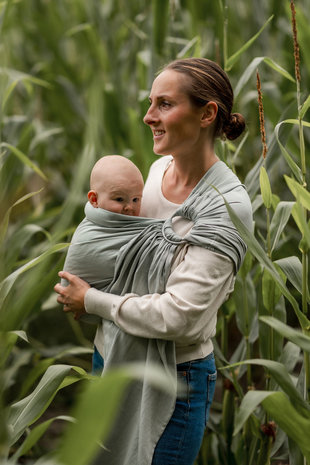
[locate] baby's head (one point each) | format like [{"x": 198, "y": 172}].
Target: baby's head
[{"x": 116, "y": 185}]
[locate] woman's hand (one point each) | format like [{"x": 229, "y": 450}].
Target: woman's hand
[{"x": 72, "y": 296}]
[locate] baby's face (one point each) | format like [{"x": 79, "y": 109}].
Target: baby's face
[{"x": 122, "y": 199}]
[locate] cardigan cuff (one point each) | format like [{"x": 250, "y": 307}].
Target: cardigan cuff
[{"x": 103, "y": 304}]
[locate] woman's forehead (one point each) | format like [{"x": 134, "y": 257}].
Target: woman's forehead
[{"x": 168, "y": 82}]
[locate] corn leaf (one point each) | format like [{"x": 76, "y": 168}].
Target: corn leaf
[
  {"x": 15, "y": 75},
  {"x": 293, "y": 166},
  {"x": 24, "y": 159},
  {"x": 8, "y": 92},
  {"x": 5, "y": 221},
  {"x": 28, "y": 410},
  {"x": 248, "y": 72},
  {"x": 258, "y": 252},
  {"x": 304, "y": 227},
  {"x": 252, "y": 67},
  {"x": 79, "y": 28},
  {"x": 295, "y": 425},
  {"x": 18, "y": 240},
  {"x": 8, "y": 282},
  {"x": 280, "y": 374},
  {"x": 270, "y": 291},
  {"x": 21, "y": 334},
  {"x": 299, "y": 338},
  {"x": 43, "y": 364},
  {"x": 290, "y": 356},
  {"x": 34, "y": 374},
  {"x": 249, "y": 404},
  {"x": 279, "y": 221},
  {"x": 43, "y": 136},
  {"x": 232, "y": 59},
  {"x": 36, "y": 433},
  {"x": 305, "y": 107},
  {"x": 265, "y": 187},
  {"x": 246, "y": 311},
  {"x": 185, "y": 50},
  {"x": 299, "y": 192},
  {"x": 270, "y": 62},
  {"x": 292, "y": 268}
]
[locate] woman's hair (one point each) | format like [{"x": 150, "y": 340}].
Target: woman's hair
[{"x": 208, "y": 82}]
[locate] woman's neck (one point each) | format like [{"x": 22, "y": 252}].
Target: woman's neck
[{"x": 183, "y": 175}]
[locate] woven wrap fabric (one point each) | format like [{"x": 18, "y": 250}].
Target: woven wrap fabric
[{"x": 122, "y": 254}]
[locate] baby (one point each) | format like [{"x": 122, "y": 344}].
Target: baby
[{"x": 116, "y": 185}]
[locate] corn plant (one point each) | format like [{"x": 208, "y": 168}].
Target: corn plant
[
  {"x": 260, "y": 424},
  {"x": 74, "y": 84}
]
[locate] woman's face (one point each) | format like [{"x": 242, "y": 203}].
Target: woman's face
[{"x": 174, "y": 120}]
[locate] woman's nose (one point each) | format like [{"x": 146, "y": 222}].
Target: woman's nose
[{"x": 149, "y": 117}]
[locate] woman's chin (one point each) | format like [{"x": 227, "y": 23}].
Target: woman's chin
[{"x": 159, "y": 151}]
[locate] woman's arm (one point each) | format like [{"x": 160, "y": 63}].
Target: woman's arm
[{"x": 185, "y": 313}]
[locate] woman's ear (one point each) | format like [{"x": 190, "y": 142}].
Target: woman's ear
[
  {"x": 93, "y": 198},
  {"x": 209, "y": 114}
]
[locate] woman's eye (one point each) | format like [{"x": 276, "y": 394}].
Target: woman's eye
[{"x": 165, "y": 104}]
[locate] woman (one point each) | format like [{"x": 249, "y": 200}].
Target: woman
[{"x": 190, "y": 106}]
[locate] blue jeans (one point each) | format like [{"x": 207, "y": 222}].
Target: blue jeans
[
  {"x": 97, "y": 365},
  {"x": 182, "y": 437}
]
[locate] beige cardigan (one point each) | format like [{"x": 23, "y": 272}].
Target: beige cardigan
[{"x": 201, "y": 280}]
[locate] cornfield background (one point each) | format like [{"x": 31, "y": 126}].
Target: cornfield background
[{"x": 74, "y": 82}]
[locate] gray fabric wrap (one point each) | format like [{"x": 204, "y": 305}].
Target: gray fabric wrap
[{"x": 122, "y": 254}]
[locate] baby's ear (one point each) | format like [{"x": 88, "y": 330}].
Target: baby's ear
[{"x": 93, "y": 198}]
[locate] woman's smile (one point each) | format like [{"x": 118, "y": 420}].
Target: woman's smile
[{"x": 157, "y": 133}]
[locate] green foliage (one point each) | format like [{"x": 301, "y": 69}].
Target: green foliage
[{"x": 74, "y": 83}]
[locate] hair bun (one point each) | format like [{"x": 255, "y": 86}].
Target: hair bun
[{"x": 234, "y": 126}]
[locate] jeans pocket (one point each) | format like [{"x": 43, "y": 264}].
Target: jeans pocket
[{"x": 210, "y": 393}]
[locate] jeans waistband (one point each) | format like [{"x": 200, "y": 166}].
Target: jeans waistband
[{"x": 196, "y": 361}]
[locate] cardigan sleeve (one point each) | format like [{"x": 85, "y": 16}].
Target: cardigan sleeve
[{"x": 186, "y": 313}]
